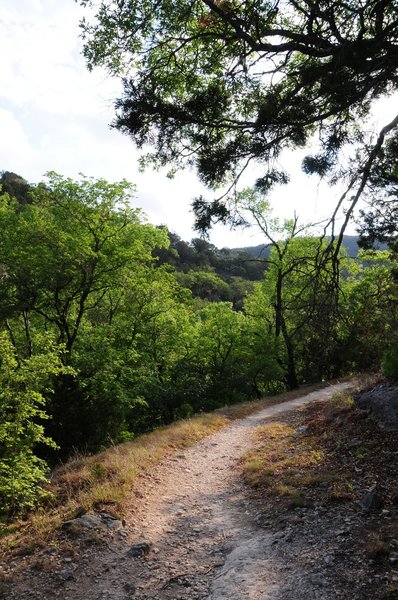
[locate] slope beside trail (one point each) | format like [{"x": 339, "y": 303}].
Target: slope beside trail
[{"x": 201, "y": 527}]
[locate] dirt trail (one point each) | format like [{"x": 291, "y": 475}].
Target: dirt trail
[{"x": 205, "y": 542}]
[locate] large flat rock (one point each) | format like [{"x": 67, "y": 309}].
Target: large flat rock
[{"x": 382, "y": 402}]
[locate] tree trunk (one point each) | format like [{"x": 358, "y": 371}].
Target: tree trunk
[{"x": 291, "y": 375}]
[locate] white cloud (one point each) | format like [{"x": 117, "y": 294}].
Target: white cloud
[
  {"x": 40, "y": 62},
  {"x": 58, "y": 114}
]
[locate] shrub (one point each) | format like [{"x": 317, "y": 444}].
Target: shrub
[
  {"x": 389, "y": 363},
  {"x": 22, "y": 385}
]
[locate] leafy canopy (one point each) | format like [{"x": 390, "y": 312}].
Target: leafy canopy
[{"x": 220, "y": 83}]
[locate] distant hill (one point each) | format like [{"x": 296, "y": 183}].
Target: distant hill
[{"x": 350, "y": 243}]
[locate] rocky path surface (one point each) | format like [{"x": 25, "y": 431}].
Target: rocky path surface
[{"x": 199, "y": 536}]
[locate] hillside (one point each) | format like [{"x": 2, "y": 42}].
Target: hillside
[{"x": 350, "y": 243}]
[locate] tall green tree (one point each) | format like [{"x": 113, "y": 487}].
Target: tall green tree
[
  {"x": 221, "y": 84},
  {"x": 299, "y": 298},
  {"x": 369, "y": 319},
  {"x": 235, "y": 361},
  {"x": 68, "y": 261}
]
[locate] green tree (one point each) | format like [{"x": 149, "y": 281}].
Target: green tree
[
  {"x": 206, "y": 285},
  {"x": 219, "y": 85},
  {"x": 68, "y": 260},
  {"x": 22, "y": 385},
  {"x": 154, "y": 334},
  {"x": 236, "y": 363},
  {"x": 300, "y": 295},
  {"x": 65, "y": 253},
  {"x": 369, "y": 322},
  {"x": 15, "y": 186}
]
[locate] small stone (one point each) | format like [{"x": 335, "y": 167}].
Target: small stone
[
  {"x": 138, "y": 550},
  {"x": 218, "y": 563},
  {"x": 371, "y": 500},
  {"x": 65, "y": 575},
  {"x": 317, "y": 579},
  {"x": 339, "y": 532},
  {"x": 87, "y": 522},
  {"x": 50, "y": 551},
  {"x": 302, "y": 429},
  {"x": 393, "y": 558},
  {"x": 129, "y": 587}
]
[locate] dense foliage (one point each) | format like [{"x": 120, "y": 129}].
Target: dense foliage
[
  {"x": 220, "y": 84},
  {"x": 22, "y": 385},
  {"x": 212, "y": 274}
]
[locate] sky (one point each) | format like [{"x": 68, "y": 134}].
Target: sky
[{"x": 55, "y": 116}]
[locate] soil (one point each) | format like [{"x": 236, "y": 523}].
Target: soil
[{"x": 203, "y": 536}]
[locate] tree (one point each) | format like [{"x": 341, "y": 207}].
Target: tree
[
  {"x": 236, "y": 364},
  {"x": 379, "y": 223},
  {"x": 299, "y": 296},
  {"x": 219, "y": 84},
  {"x": 68, "y": 260},
  {"x": 67, "y": 253},
  {"x": 206, "y": 285},
  {"x": 153, "y": 337},
  {"x": 369, "y": 316},
  {"x": 16, "y": 186}
]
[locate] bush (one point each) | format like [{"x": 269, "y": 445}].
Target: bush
[
  {"x": 389, "y": 363},
  {"x": 22, "y": 385}
]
